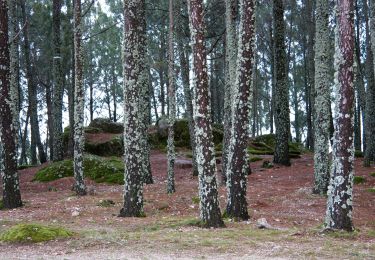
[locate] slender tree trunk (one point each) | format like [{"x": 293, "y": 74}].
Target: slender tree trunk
[
  {"x": 79, "y": 106},
  {"x": 209, "y": 204},
  {"x": 273, "y": 78},
  {"x": 134, "y": 77},
  {"x": 14, "y": 65},
  {"x": 71, "y": 85},
  {"x": 154, "y": 102},
  {"x": 370, "y": 94},
  {"x": 238, "y": 158},
  {"x": 340, "y": 191},
  {"x": 231, "y": 57},
  {"x": 32, "y": 91},
  {"x": 281, "y": 96},
  {"x": 58, "y": 88},
  {"x": 184, "y": 65},
  {"x": 171, "y": 103},
  {"x": 322, "y": 99},
  {"x": 8, "y": 154},
  {"x": 23, "y": 157}
]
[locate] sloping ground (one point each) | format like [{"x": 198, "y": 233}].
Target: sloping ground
[{"x": 281, "y": 195}]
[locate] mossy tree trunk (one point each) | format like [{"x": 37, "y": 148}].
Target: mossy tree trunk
[
  {"x": 209, "y": 204},
  {"x": 58, "y": 88},
  {"x": 79, "y": 106},
  {"x": 282, "y": 120},
  {"x": 230, "y": 77},
  {"x": 238, "y": 158},
  {"x": 322, "y": 99},
  {"x": 171, "y": 102},
  {"x": 8, "y": 159},
  {"x": 340, "y": 197},
  {"x": 134, "y": 48}
]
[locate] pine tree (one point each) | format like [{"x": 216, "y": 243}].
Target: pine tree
[
  {"x": 370, "y": 94},
  {"x": 282, "y": 121},
  {"x": 340, "y": 190},
  {"x": 8, "y": 156},
  {"x": 171, "y": 102},
  {"x": 322, "y": 98},
  {"x": 209, "y": 204},
  {"x": 79, "y": 100},
  {"x": 58, "y": 88},
  {"x": 238, "y": 158},
  {"x": 135, "y": 77},
  {"x": 230, "y": 77}
]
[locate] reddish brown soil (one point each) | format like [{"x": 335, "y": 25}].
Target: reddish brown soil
[{"x": 282, "y": 195}]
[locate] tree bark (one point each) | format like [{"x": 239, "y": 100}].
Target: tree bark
[
  {"x": 282, "y": 120},
  {"x": 238, "y": 158},
  {"x": 322, "y": 99},
  {"x": 171, "y": 103},
  {"x": 340, "y": 191},
  {"x": 58, "y": 88},
  {"x": 135, "y": 74},
  {"x": 8, "y": 154},
  {"x": 209, "y": 204},
  {"x": 79, "y": 106},
  {"x": 230, "y": 70}
]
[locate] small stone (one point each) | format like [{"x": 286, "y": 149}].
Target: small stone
[
  {"x": 263, "y": 224},
  {"x": 75, "y": 213}
]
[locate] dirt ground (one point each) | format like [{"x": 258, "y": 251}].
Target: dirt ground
[{"x": 281, "y": 195}]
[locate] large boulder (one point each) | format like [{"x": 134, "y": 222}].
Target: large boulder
[{"x": 107, "y": 126}]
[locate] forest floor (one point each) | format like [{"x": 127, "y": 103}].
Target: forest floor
[{"x": 281, "y": 195}]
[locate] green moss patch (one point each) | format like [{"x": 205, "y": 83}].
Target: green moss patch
[
  {"x": 34, "y": 233},
  {"x": 359, "y": 179},
  {"x": 372, "y": 174},
  {"x": 1, "y": 205},
  {"x": 96, "y": 168},
  {"x": 372, "y": 190},
  {"x": 195, "y": 200}
]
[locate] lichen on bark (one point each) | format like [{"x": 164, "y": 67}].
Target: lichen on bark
[
  {"x": 340, "y": 191},
  {"x": 209, "y": 204}
]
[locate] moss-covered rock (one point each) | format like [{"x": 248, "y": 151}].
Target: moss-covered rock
[
  {"x": 96, "y": 168},
  {"x": 113, "y": 147},
  {"x": 358, "y": 154},
  {"x": 107, "y": 126},
  {"x": 1, "y": 205},
  {"x": 158, "y": 135},
  {"x": 265, "y": 145},
  {"x": 34, "y": 233}
]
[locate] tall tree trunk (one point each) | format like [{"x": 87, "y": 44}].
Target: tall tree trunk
[
  {"x": 238, "y": 158},
  {"x": 209, "y": 204},
  {"x": 23, "y": 157},
  {"x": 340, "y": 201},
  {"x": 71, "y": 85},
  {"x": 370, "y": 94},
  {"x": 14, "y": 64},
  {"x": 184, "y": 70},
  {"x": 58, "y": 88},
  {"x": 322, "y": 99},
  {"x": 79, "y": 106},
  {"x": 8, "y": 154},
  {"x": 282, "y": 120},
  {"x": 171, "y": 102},
  {"x": 273, "y": 78},
  {"x": 32, "y": 92},
  {"x": 230, "y": 70},
  {"x": 135, "y": 72}
]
